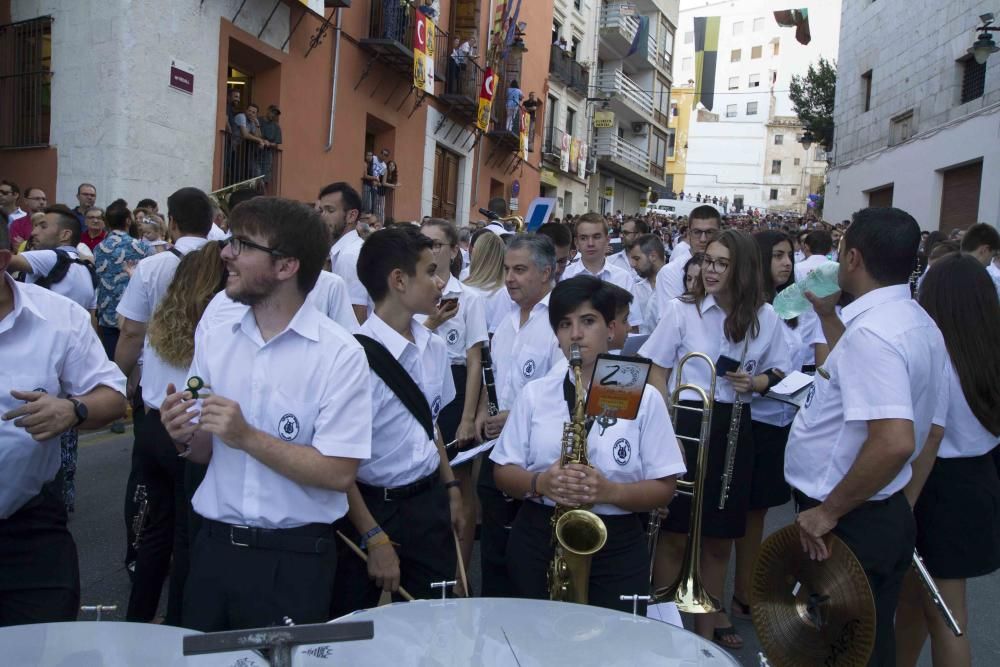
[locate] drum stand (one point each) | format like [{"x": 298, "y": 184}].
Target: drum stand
[
  {"x": 98, "y": 609},
  {"x": 635, "y": 601},
  {"x": 277, "y": 644}
]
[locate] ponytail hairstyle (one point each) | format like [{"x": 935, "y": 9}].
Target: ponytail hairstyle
[
  {"x": 766, "y": 240},
  {"x": 200, "y": 275}
]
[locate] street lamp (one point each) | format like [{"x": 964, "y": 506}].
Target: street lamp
[
  {"x": 984, "y": 46},
  {"x": 806, "y": 140}
]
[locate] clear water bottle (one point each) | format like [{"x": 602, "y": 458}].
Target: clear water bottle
[{"x": 821, "y": 281}]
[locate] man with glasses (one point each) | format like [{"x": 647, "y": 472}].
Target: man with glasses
[
  {"x": 703, "y": 226},
  {"x": 632, "y": 229},
  {"x": 86, "y": 196}
]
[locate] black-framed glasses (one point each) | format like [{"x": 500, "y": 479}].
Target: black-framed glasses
[
  {"x": 714, "y": 264},
  {"x": 6, "y": 193},
  {"x": 237, "y": 243},
  {"x": 704, "y": 233},
  {"x": 436, "y": 246}
]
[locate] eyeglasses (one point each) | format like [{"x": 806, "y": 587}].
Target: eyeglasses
[
  {"x": 715, "y": 265},
  {"x": 37, "y": 198},
  {"x": 436, "y": 246},
  {"x": 238, "y": 243},
  {"x": 704, "y": 233},
  {"x": 6, "y": 193}
]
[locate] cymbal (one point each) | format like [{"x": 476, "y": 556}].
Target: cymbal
[{"x": 810, "y": 613}]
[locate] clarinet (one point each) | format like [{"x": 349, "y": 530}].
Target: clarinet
[
  {"x": 492, "y": 404},
  {"x": 139, "y": 520},
  {"x": 732, "y": 438}
]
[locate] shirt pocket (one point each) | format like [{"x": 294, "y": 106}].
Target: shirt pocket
[
  {"x": 528, "y": 364},
  {"x": 290, "y": 417}
]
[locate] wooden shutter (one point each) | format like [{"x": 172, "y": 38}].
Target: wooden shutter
[{"x": 960, "y": 197}]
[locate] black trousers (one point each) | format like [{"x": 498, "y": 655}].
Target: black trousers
[
  {"x": 109, "y": 339},
  {"x": 162, "y": 473},
  {"x": 138, "y": 414},
  {"x": 882, "y": 535},
  {"x": 39, "y": 570},
  {"x": 421, "y": 526},
  {"x": 621, "y": 567},
  {"x": 498, "y": 512},
  {"x": 233, "y": 587}
]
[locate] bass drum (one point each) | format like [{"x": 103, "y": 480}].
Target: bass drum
[
  {"x": 109, "y": 644},
  {"x": 505, "y": 632}
]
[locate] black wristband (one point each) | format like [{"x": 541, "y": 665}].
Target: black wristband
[
  {"x": 772, "y": 379},
  {"x": 453, "y": 484}
]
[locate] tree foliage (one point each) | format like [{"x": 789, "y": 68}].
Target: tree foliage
[{"x": 812, "y": 98}]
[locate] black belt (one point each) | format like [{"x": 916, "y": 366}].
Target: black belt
[
  {"x": 313, "y": 538},
  {"x": 401, "y": 492},
  {"x": 804, "y": 502}
]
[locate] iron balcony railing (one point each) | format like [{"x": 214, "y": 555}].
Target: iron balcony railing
[
  {"x": 563, "y": 67},
  {"x": 245, "y": 163},
  {"x": 25, "y": 83},
  {"x": 616, "y": 81}
]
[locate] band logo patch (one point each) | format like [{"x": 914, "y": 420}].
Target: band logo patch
[
  {"x": 529, "y": 368},
  {"x": 622, "y": 451},
  {"x": 452, "y": 336},
  {"x": 809, "y": 396},
  {"x": 288, "y": 427},
  {"x": 750, "y": 367},
  {"x": 436, "y": 407}
]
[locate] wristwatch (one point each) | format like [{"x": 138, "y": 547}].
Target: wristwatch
[{"x": 80, "y": 410}]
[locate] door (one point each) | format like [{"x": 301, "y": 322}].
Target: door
[
  {"x": 960, "y": 197},
  {"x": 445, "y": 201},
  {"x": 881, "y": 198}
]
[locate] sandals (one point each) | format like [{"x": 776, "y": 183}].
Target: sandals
[
  {"x": 740, "y": 609},
  {"x": 728, "y": 638}
]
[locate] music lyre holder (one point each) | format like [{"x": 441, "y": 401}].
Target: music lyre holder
[
  {"x": 444, "y": 586},
  {"x": 98, "y": 609},
  {"x": 278, "y": 642},
  {"x": 635, "y": 601}
]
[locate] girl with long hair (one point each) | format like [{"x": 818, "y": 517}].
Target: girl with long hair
[
  {"x": 486, "y": 274},
  {"x": 955, "y": 489},
  {"x": 725, "y": 317},
  {"x": 772, "y": 419}
]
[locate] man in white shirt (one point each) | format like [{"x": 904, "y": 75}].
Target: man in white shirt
[
  {"x": 523, "y": 348},
  {"x": 340, "y": 206},
  {"x": 647, "y": 257},
  {"x": 406, "y": 493},
  {"x": 631, "y": 230},
  {"x": 817, "y": 245},
  {"x": 849, "y": 451},
  {"x": 283, "y": 427},
  {"x": 59, "y": 379},
  {"x": 982, "y": 241},
  {"x": 703, "y": 226}
]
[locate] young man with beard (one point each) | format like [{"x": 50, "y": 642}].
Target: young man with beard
[
  {"x": 283, "y": 428},
  {"x": 340, "y": 207},
  {"x": 647, "y": 257}
]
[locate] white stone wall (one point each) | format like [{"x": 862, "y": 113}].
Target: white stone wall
[{"x": 115, "y": 121}]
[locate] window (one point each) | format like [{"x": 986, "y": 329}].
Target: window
[
  {"x": 576, "y": 48},
  {"x": 758, "y": 24},
  {"x": 902, "y": 128},
  {"x": 756, "y": 52},
  {"x": 25, "y": 73},
  {"x": 774, "y": 194},
  {"x": 556, "y": 31},
  {"x": 660, "y": 146},
  {"x": 775, "y": 167},
  {"x": 689, "y": 37},
  {"x": 973, "y": 79},
  {"x": 779, "y": 139},
  {"x": 751, "y": 108},
  {"x": 674, "y": 111},
  {"x": 866, "y": 89},
  {"x": 795, "y": 191},
  {"x": 671, "y": 141},
  {"x": 735, "y": 55},
  {"x": 734, "y": 82},
  {"x": 777, "y": 46},
  {"x": 798, "y": 162},
  {"x": 754, "y": 81},
  {"x": 730, "y": 111},
  {"x": 570, "y": 121},
  {"x": 687, "y": 64},
  {"x": 577, "y": 4},
  {"x": 738, "y": 28}
]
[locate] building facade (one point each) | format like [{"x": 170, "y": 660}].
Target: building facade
[
  {"x": 681, "y": 103},
  {"x": 791, "y": 171},
  {"x": 729, "y": 154},
  {"x": 917, "y": 120},
  {"x": 132, "y": 97}
]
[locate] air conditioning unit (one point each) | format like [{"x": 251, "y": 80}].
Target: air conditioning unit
[{"x": 640, "y": 128}]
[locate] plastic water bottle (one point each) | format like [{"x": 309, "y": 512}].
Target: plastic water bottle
[{"x": 821, "y": 281}]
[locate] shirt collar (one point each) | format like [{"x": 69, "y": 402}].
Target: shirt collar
[
  {"x": 709, "y": 302},
  {"x": 186, "y": 244},
  {"x": 395, "y": 342},
  {"x": 876, "y": 297},
  {"x": 22, "y": 301},
  {"x": 454, "y": 286},
  {"x": 346, "y": 239},
  {"x": 305, "y": 323}
]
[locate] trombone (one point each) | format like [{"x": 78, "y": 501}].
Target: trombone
[{"x": 687, "y": 591}]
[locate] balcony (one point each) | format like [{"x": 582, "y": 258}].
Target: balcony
[
  {"x": 505, "y": 124},
  {"x": 631, "y": 161},
  {"x": 617, "y": 30},
  {"x": 563, "y": 68},
  {"x": 390, "y": 38},
  {"x": 627, "y": 98},
  {"x": 462, "y": 84},
  {"x": 245, "y": 164}
]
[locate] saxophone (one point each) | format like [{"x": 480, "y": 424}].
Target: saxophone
[{"x": 577, "y": 532}]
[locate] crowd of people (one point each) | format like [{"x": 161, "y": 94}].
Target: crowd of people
[{"x": 300, "y": 378}]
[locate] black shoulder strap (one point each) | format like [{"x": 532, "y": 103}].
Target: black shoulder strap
[
  {"x": 399, "y": 381},
  {"x": 63, "y": 261},
  {"x": 176, "y": 253}
]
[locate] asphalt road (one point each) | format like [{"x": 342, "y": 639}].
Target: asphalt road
[{"x": 99, "y": 529}]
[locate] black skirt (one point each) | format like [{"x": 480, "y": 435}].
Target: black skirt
[
  {"x": 451, "y": 415},
  {"x": 958, "y": 518},
  {"x": 768, "y": 487},
  {"x": 731, "y": 521}
]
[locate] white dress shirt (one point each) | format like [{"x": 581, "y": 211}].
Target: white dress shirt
[
  {"x": 523, "y": 353},
  {"x": 48, "y": 345},
  {"x": 620, "y": 260},
  {"x": 401, "y": 451},
  {"x": 888, "y": 364},
  {"x": 77, "y": 286},
  {"x": 670, "y": 279},
  {"x": 810, "y": 263},
  {"x": 645, "y": 296},
  {"x": 964, "y": 435},
  {"x": 467, "y": 328},
  {"x": 800, "y": 341},
  {"x": 344, "y": 261},
  {"x": 217, "y": 233},
  {"x": 631, "y": 450},
  {"x": 684, "y": 329},
  {"x": 496, "y": 304},
  {"x": 307, "y": 386},
  {"x": 614, "y": 275}
]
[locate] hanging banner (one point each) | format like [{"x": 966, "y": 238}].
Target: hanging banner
[
  {"x": 574, "y": 155},
  {"x": 522, "y": 151},
  {"x": 486, "y": 100},
  {"x": 423, "y": 53},
  {"x": 564, "y": 152},
  {"x": 581, "y": 170}
]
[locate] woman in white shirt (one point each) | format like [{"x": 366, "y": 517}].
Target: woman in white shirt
[
  {"x": 727, "y": 318},
  {"x": 634, "y": 461},
  {"x": 955, "y": 489},
  {"x": 486, "y": 275}
]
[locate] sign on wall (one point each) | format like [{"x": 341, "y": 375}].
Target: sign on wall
[
  {"x": 604, "y": 119},
  {"x": 181, "y": 76}
]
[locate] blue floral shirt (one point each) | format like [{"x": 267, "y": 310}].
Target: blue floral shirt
[{"x": 110, "y": 257}]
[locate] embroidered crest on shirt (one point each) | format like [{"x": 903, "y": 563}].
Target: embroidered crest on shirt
[
  {"x": 436, "y": 407},
  {"x": 750, "y": 366},
  {"x": 452, "y": 336},
  {"x": 288, "y": 427},
  {"x": 622, "y": 451},
  {"x": 809, "y": 396},
  {"x": 529, "y": 368}
]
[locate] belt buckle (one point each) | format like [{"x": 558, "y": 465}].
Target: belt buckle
[
  {"x": 385, "y": 495},
  {"x": 232, "y": 538}
]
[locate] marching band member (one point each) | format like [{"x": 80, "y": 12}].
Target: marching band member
[
  {"x": 634, "y": 461},
  {"x": 955, "y": 491},
  {"x": 523, "y": 349},
  {"x": 486, "y": 276},
  {"x": 406, "y": 500},
  {"x": 849, "y": 450},
  {"x": 283, "y": 428},
  {"x": 772, "y": 419},
  {"x": 703, "y": 227},
  {"x": 727, "y": 318}
]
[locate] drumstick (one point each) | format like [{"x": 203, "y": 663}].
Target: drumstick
[
  {"x": 363, "y": 556},
  {"x": 461, "y": 564}
]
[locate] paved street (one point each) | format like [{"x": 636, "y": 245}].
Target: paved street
[{"x": 100, "y": 534}]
